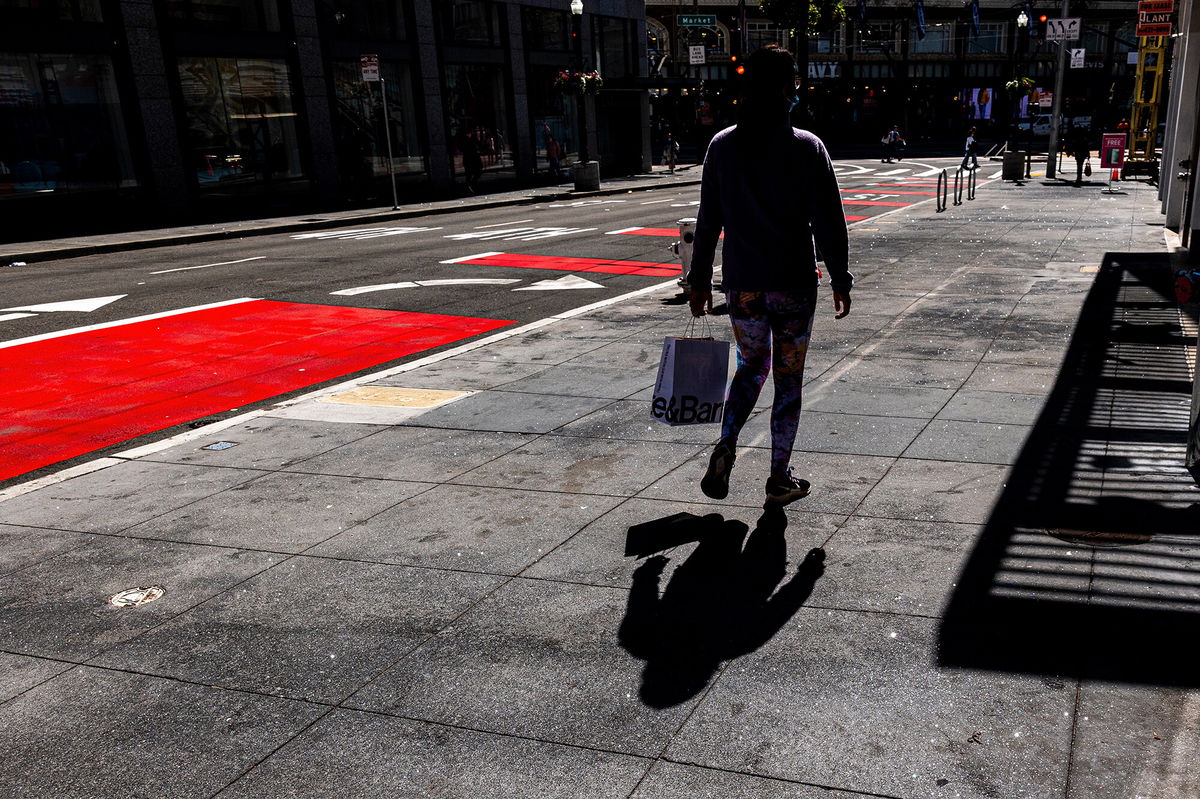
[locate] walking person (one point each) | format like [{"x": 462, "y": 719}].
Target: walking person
[
  {"x": 772, "y": 189},
  {"x": 1081, "y": 148},
  {"x": 969, "y": 153},
  {"x": 671, "y": 152},
  {"x": 553, "y": 153},
  {"x": 892, "y": 142}
]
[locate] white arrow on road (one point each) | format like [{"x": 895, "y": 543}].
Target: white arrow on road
[
  {"x": 80, "y": 306},
  {"x": 412, "y": 284},
  {"x": 568, "y": 282}
]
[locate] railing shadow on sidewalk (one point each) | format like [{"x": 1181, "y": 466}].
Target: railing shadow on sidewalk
[
  {"x": 1089, "y": 565},
  {"x": 723, "y": 602}
]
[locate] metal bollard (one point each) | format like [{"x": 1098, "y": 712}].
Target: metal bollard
[
  {"x": 971, "y": 184},
  {"x": 683, "y": 248},
  {"x": 958, "y": 187},
  {"x": 943, "y": 189}
]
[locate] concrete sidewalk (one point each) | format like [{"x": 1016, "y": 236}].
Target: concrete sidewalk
[
  {"x": 521, "y": 591},
  {"x": 33, "y": 251}
]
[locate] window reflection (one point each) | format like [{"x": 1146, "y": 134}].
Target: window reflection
[
  {"x": 61, "y": 127},
  {"x": 230, "y": 15},
  {"x": 241, "y": 123}
]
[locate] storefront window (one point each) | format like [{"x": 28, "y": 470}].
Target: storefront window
[
  {"x": 826, "y": 43},
  {"x": 546, "y": 29},
  {"x": 241, "y": 123},
  {"x": 367, "y": 19},
  {"x": 361, "y": 136},
  {"x": 61, "y": 127},
  {"x": 614, "y": 47},
  {"x": 760, "y": 34},
  {"x": 469, "y": 21},
  {"x": 937, "y": 39},
  {"x": 226, "y": 15},
  {"x": 990, "y": 39},
  {"x": 61, "y": 11},
  {"x": 478, "y": 117}
]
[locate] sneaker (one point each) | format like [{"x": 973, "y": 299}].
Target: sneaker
[
  {"x": 782, "y": 490},
  {"x": 715, "y": 484}
]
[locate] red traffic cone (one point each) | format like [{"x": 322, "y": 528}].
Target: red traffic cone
[{"x": 1116, "y": 175}]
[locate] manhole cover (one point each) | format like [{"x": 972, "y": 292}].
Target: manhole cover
[
  {"x": 217, "y": 446},
  {"x": 1100, "y": 538},
  {"x": 134, "y": 597}
]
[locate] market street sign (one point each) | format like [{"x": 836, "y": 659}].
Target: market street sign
[{"x": 702, "y": 20}]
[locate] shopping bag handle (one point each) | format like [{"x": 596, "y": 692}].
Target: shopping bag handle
[{"x": 698, "y": 327}]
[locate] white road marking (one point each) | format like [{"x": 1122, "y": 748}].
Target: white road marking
[
  {"x": 118, "y": 323},
  {"x": 928, "y": 173},
  {"x": 411, "y": 284},
  {"x": 656, "y": 202},
  {"x": 9, "y": 316},
  {"x": 892, "y": 172},
  {"x": 862, "y": 170},
  {"x": 623, "y": 230},
  {"x": 685, "y": 205},
  {"x": 502, "y": 224},
  {"x": 206, "y": 266},
  {"x": 566, "y": 282},
  {"x": 80, "y": 306},
  {"x": 520, "y": 233},
  {"x": 363, "y": 233},
  {"x": 470, "y": 257},
  {"x": 995, "y": 175},
  {"x": 581, "y": 203}
]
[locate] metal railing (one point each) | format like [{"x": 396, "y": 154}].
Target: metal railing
[{"x": 966, "y": 183}]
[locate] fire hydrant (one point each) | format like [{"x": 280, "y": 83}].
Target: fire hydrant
[{"x": 683, "y": 248}]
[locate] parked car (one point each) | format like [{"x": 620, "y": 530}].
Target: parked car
[{"x": 1040, "y": 124}]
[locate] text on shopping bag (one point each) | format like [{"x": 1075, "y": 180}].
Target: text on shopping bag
[{"x": 692, "y": 374}]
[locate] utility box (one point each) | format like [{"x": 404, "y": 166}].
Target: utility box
[{"x": 1013, "y": 166}]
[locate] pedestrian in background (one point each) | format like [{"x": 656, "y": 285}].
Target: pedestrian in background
[
  {"x": 772, "y": 189},
  {"x": 1080, "y": 144},
  {"x": 671, "y": 152},
  {"x": 969, "y": 153},
  {"x": 553, "y": 152},
  {"x": 892, "y": 141}
]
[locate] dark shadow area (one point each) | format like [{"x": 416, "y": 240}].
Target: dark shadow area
[
  {"x": 1089, "y": 564},
  {"x": 726, "y": 600}
]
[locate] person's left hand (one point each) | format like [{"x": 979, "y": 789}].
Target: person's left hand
[
  {"x": 841, "y": 304},
  {"x": 701, "y": 302}
]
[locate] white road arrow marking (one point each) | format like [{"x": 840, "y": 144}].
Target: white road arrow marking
[
  {"x": 568, "y": 282},
  {"x": 412, "y": 284},
  {"x": 10, "y": 316},
  {"x": 521, "y": 233},
  {"x": 80, "y": 306}
]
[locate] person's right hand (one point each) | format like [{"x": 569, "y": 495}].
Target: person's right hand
[{"x": 701, "y": 302}]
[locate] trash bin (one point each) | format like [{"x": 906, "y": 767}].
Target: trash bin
[{"x": 1013, "y": 167}]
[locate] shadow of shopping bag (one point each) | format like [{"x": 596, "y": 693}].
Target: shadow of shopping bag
[{"x": 690, "y": 388}]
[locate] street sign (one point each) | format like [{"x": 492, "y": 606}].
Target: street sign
[
  {"x": 1154, "y": 29},
  {"x": 1112, "y": 150},
  {"x": 696, "y": 20},
  {"x": 696, "y": 54},
  {"x": 1063, "y": 30},
  {"x": 1156, "y": 6},
  {"x": 370, "y": 67},
  {"x": 1077, "y": 58},
  {"x": 1155, "y": 18}
]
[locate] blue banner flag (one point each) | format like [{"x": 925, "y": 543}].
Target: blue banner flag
[
  {"x": 920, "y": 6},
  {"x": 974, "y": 4}
]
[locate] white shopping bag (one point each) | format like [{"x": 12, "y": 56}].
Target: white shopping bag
[{"x": 691, "y": 381}]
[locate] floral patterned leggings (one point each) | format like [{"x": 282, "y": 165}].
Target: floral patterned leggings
[{"x": 758, "y": 317}]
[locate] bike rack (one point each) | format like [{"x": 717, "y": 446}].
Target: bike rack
[
  {"x": 958, "y": 187},
  {"x": 971, "y": 183},
  {"x": 943, "y": 189}
]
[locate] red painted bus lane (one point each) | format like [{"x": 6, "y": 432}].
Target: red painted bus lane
[
  {"x": 568, "y": 264},
  {"x": 69, "y": 395}
]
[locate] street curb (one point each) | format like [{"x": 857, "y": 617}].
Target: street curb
[{"x": 78, "y": 251}]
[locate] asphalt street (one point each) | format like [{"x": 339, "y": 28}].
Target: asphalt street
[{"x": 266, "y": 297}]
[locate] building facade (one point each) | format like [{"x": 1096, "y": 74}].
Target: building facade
[
  {"x": 933, "y": 68},
  {"x": 161, "y": 110}
]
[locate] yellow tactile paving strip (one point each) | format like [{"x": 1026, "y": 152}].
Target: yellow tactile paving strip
[{"x": 394, "y": 397}]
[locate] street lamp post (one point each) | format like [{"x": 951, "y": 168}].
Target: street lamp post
[
  {"x": 587, "y": 173},
  {"x": 1056, "y": 114}
]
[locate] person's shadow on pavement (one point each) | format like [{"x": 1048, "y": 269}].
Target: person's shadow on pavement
[{"x": 720, "y": 604}]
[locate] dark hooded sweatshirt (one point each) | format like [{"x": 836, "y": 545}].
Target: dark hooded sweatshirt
[{"x": 774, "y": 204}]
